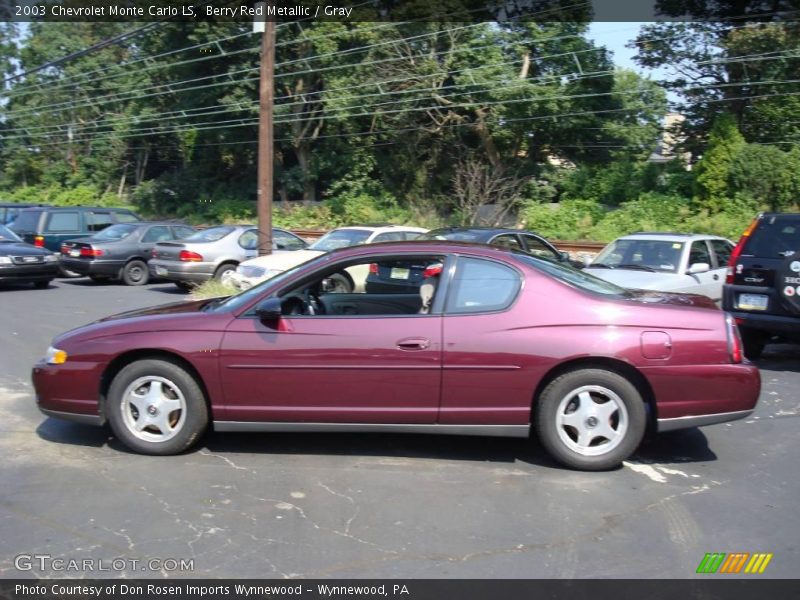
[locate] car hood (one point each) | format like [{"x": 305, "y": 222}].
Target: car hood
[
  {"x": 22, "y": 249},
  {"x": 282, "y": 260},
  {"x": 640, "y": 280},
  {"x": 192, "y": 306}
]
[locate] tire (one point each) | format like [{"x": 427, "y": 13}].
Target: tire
[
  {"x": 340, "y": 284},
  {"x": 135, "y": 273},
  {"x": 184, "y": 285},
  {"x": 754, "y": 343},
  {"x": 570, "y": 407},
  {"x": 176, "y": 409},
  {"x": 42, "y": 285},
  {"x": 222, "y": 271},
  {"x": 62, "y": 272}
]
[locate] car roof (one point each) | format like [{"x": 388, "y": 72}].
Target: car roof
[
  {"x": 382, "y": 228},
  {"x": 434, "y": 246},
  {"x": 669, "y": 236},
  {"x": 58, "y": 208}
]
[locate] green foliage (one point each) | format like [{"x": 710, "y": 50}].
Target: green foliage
[
  {"x": 81, "y": 195},
  {"x": 768, "y": 175},
  {"x": 569, "y": 220},
  {"x": 212, "y": 289},
  {"x": 649, "y": 212}
]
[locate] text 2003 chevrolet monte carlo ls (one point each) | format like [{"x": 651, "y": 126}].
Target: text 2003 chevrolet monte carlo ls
[{"x": 494, "y": 342}]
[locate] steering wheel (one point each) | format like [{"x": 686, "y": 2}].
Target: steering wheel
[{"x": 306, "y": 303}]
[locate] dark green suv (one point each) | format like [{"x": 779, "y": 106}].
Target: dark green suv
[{"x": 762, "y": 290}]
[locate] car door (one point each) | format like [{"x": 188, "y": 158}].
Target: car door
[
  {"x": 483, "y": 379},
  {"x": 708, "y": 283},
  {"x": 340, "y": 368}
]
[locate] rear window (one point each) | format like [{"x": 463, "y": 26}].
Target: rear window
[
  {"x": 212, "y": 234},
  {"x": 28, "y": 220},
  {"x": 774, "y": 237},
  {"x": 115, "y": 232}
]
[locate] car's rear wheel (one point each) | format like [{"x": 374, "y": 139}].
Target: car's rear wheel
[
  {"x": 223, "y": 272},
  {"x": 590, "y": 419},
  {"x": 754, "y": 342},
  {"x": 156, "y": 407},
  {"x": 41, "y": 285},
  {"x": 135, "y": 273}
]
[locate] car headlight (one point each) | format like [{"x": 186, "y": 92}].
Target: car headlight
[
  {"x": 55, "y": 356},
  {"x": 5, "y": 260},
  {"x": 51, "y": 258}
]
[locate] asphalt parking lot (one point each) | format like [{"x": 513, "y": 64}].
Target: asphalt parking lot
[{"x": 342, "y": 505}]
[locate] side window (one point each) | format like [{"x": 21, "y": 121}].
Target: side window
[
  {"x": 286, "y": 241},
  {"x": 722, "y": 250},
  {"x": 481, "y": 286},
  {"x": 699, "y": 253},
  {"x": 182, "y": 232},
  {"x": 125, "y": 217},
  {"x": 507, "y": 241},
  {"x": 249, "y": 239},
  {"x": 411, "y": 235},
  {"x": 63, "y": 222},
  {"x": 389, "y": 236},
  {"x": 537, "y": 247},
  {"x": 157, "y": 233},
  {"x": 97, "y": 221}
]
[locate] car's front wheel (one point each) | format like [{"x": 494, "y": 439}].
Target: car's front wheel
[
  {"x": 590, "y": 419},
  {"x": 156, "y": 407}
]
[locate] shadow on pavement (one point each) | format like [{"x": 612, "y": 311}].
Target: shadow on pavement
[
  {"x": 683, "y": 446},
  {"x": 780, "y": 357},
  {"x": 65, "y": 432}
]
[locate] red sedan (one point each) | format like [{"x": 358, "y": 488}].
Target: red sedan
[{"x": 494, "y": 342}]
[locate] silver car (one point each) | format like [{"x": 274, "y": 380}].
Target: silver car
[{"x": 213, "y": 253}]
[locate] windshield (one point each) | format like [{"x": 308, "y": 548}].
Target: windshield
[
  {"x": 453, "y": 235},
  {"x": 212, "y": 234},
  {"x": 572, "y": 276},
  {"x": 340, "y": 238},
  {"x": 646, "y": 255},
  {"x": 114, "y": 233},
  {"x": 245, "y": 297},
  {"x": 6, "y": 235}
]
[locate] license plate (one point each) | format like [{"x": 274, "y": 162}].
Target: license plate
[
  {"x": 161, "y": 271},
  {"x": 75, "y": 252},
  {"x": 398, "y": 273},
  {"x": 753, "y": 302}
]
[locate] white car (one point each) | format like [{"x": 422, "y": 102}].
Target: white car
[
  {"x": 256, "y": 270},
  {"x": 666, "y": 262}
]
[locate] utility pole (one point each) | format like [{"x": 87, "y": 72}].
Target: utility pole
[{"x": 265, "y": 141}]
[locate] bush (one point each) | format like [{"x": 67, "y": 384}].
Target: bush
[
  {"x": 212, "y": 289},
  {"x": 569, "y": 220},
  {"x": 57, "y": 195},
  {"x": 650, "y": 212}
]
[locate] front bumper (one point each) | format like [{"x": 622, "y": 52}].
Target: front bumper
[
  {"x": 37, "y": 272},
  {"x": 192, "y": 272},
  {"x": 107, "y": 268}
]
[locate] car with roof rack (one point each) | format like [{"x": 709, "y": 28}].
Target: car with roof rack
[{"x": 665, "y": 261}]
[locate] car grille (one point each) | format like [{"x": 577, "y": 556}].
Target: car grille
[
  {"x": 27, "y": 260},
  {"x": 248, "y": 271}
]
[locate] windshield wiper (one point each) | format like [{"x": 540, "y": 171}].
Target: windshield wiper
[
  {"x": 601, "y": 266},
  {"x": 638, "y": 267}
]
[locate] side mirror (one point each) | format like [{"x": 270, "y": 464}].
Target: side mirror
[
  {"x": 698, "y": 268},
  {"x": 269, "y": 309}
]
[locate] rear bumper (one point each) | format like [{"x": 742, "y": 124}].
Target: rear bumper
[
  {"x": 40, "y": 272},
  {"x": 696, "y": 395},
  {"x": 108, "y": 268},
  {"x": 194, "y": 272},
  {"x": 786, "y": 326}
]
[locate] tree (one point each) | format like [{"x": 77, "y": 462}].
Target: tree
[{"x": 712, "y": 171}]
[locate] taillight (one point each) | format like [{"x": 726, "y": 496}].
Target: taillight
[
  {"x": 734, "y": 340},
  {"x": 187, "y": 256},
  {"x": 38, "y": 241},
  {"x": 91, "y": 252},
  {"x": 153, "y": 253},
  {"x": 64, "y": 249},
  {"x": 432, "y": 270},
  {"x": 373, "y": 268},
  {"x": 729, "y": 274}
]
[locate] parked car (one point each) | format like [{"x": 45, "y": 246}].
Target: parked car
[
  {"x": 213, "y": 253},
  {"x": 527, "y": 241},
  {"x": 48, "y": 227},
  {"x": 120, "y": 251},
  {"x": 23, "y": 263},
  {"x": 10, "y": 210},
  {"x": 253, "y": 272},
  {"x": 669, "y": 262},
  {"x": 498, "y": 343},
  {"x": 405, "y": 277},
  {"x": 762, "y": 288}
]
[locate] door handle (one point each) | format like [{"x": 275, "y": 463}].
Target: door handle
[
  {"x": 716, "y": 277},
  {"x": 414, "y": 344}
]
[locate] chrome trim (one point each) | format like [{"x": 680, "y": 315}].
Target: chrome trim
[
  {"x": 701, "y": 420},
  {"x": 521, "y": 431},
  {"x": 96, "y": 420}
]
